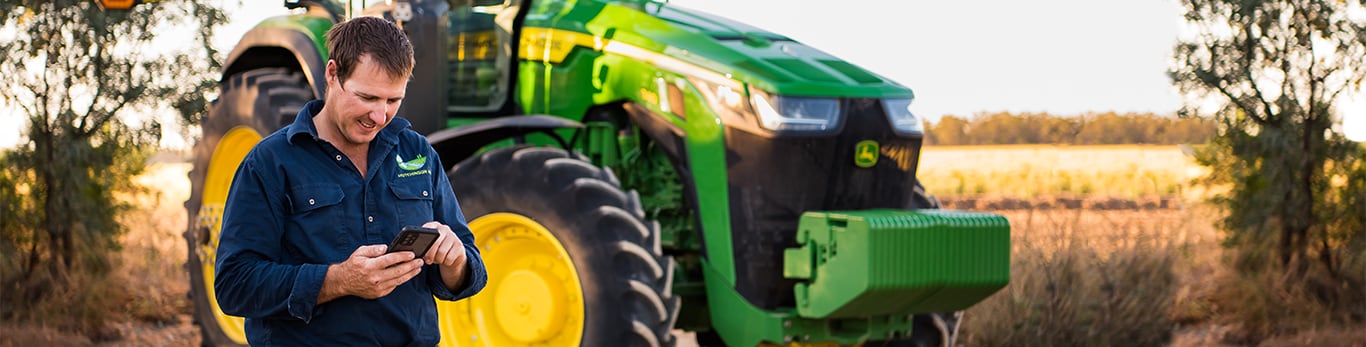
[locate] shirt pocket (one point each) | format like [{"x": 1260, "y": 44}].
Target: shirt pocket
[
  {"x": 414, "y": 200},
  {"x": 317, "y": 228}
]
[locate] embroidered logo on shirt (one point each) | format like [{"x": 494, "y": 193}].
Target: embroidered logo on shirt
[
  {"x": 416, "y": 163},
  {"x": 413, "y": 167}
]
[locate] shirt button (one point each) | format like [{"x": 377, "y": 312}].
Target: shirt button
[
  {"x": 310, "y": 201},
  {"x": 424, "y": 193},
  {"x": 370, "y": 219},
  {"x": 339, "y": 157}
]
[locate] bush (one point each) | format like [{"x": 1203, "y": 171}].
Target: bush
[
  {"x": 1113, "y": 287},
  {"x": 58, "y": 247}
]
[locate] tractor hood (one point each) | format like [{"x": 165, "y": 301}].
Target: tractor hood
[
  {"x": 713, "y": 25},
  {"x": 770, "y": 61}
]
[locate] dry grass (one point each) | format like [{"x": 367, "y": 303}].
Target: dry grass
[
  {"x": 1026, "y": 171},
  {"x": 1097, "y": 277},
  {"x": 152, "y": 261},
  {"x": 152, "y": 264},
  {"x": 143, "y": 300},
  {"x": 1112, "y": 246}
]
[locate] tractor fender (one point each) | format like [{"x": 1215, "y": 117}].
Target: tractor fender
[
  {"x": 278, "y": 47},
  {"x": 456, "y": 144}
]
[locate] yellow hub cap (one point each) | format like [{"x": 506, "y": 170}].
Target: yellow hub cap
[
  {"x": 222, "y": 167},
  {"x": 533, "y": 297}
]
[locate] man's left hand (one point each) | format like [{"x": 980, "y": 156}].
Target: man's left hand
[{"x": 449, "y": 253}]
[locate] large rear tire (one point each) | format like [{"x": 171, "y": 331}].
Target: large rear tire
[
  {"x": 549, "y": 221},
  {"x": 251, "y": 104}
]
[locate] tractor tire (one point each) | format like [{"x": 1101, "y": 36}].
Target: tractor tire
[
  {"x": 614, "y": 286},
  {"x": 928, "y": 330},
  {"x": 251, "y": 105},
  {"x": 921, "y": 199}
]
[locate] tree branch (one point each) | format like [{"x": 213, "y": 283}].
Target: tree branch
[
  {"x": 1250, "y": 42},
  {"x": 98, "y": 70},
  {"x": 1287, "y": 68}
]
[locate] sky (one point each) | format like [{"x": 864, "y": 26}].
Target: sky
[{"x": 1062, "y": 57}]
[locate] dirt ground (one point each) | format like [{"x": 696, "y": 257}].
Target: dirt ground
[
  {"x": 184, "y": 333},
  {"x": 131, "y": 333},
  {"x": 146, "y": 334}
]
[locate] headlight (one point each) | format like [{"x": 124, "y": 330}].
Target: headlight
[
  {"x": 899, "y": 113},
  {"x": 727, "y": 100},
  {"x": 797, "y": 114}
]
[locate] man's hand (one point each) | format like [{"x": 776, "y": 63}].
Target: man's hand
[
  {"x": 449, "y": 253},
  {"x": 369, "y": 273}
]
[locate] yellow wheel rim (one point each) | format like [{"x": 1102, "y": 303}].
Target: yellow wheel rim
[
  {"x": 222, "y": 167},
  {"x": 533, "y": 296}
]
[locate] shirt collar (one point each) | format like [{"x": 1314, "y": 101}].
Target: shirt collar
[{"x": 303, "y": 125}]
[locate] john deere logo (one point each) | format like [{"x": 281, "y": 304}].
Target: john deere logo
[
  {"x": 865, "y": 154},
  {"x": 416, "y": 163}
]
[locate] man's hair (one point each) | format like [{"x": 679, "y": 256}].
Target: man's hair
[{"x": 382, "y": 40}]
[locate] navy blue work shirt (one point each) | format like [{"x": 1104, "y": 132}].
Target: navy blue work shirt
[{"x": 297, "y": 204}]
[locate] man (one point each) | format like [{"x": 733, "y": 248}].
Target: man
[{"x": 303, "y": 250}]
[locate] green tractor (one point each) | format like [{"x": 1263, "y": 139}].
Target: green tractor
[{"x": 632, "y": 169}]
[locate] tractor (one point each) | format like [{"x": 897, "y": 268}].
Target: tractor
[{"x": 633, "y": 170}]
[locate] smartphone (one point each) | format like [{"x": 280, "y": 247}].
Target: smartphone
[{"x": 414, "y": 239}]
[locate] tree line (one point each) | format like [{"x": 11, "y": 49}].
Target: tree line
[{"x": 1006, "y": 128}]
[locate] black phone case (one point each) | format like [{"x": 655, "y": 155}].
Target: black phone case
[{"x": 414, "y": 239}]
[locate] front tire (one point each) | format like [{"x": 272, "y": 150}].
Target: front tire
[
  {"x": 527, "y": 205},
  {"x": 252, "y": 104}
]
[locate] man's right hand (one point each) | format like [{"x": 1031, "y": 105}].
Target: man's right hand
[{"x": 369, "y": 273}]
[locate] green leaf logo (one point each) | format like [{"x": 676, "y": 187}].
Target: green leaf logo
[
  {"x": 416, "y": 163},
  {"x": 865, "y": 154}
]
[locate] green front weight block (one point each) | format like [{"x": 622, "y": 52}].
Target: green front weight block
[{"x": 878, "y": 262}]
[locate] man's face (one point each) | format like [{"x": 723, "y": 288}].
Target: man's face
[{"x": 364, "y": 103}]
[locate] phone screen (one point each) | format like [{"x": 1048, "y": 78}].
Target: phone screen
[{"x": 414, "y": 239}]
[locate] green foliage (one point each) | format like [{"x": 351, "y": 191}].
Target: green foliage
[
  {"x": 80, "y": 75},
  {"x": 1004, "y": 128},
  {"x": 1294, "y": 206}
]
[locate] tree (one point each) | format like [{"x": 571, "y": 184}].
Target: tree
[
  {"x": 1277, "y": 67},
  {"x": 1106, "y": 128},
  {"x": 79, "y": 74},
  {"x": 950, "y": 130}
]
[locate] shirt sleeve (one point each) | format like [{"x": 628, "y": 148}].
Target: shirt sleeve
[
  {"x": 447, "y": 211},
  {"x": 250, "y": 281}
]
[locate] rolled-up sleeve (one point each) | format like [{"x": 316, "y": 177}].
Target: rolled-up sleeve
[
  {"x": 250, "y": 281},
  {"x": 447, "y": 211}
]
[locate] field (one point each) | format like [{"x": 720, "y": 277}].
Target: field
[
  {"x": 1111, "y": 246},
  {"x": 1027, "y": 171},
  {"x": 1105, "y": 241}
]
